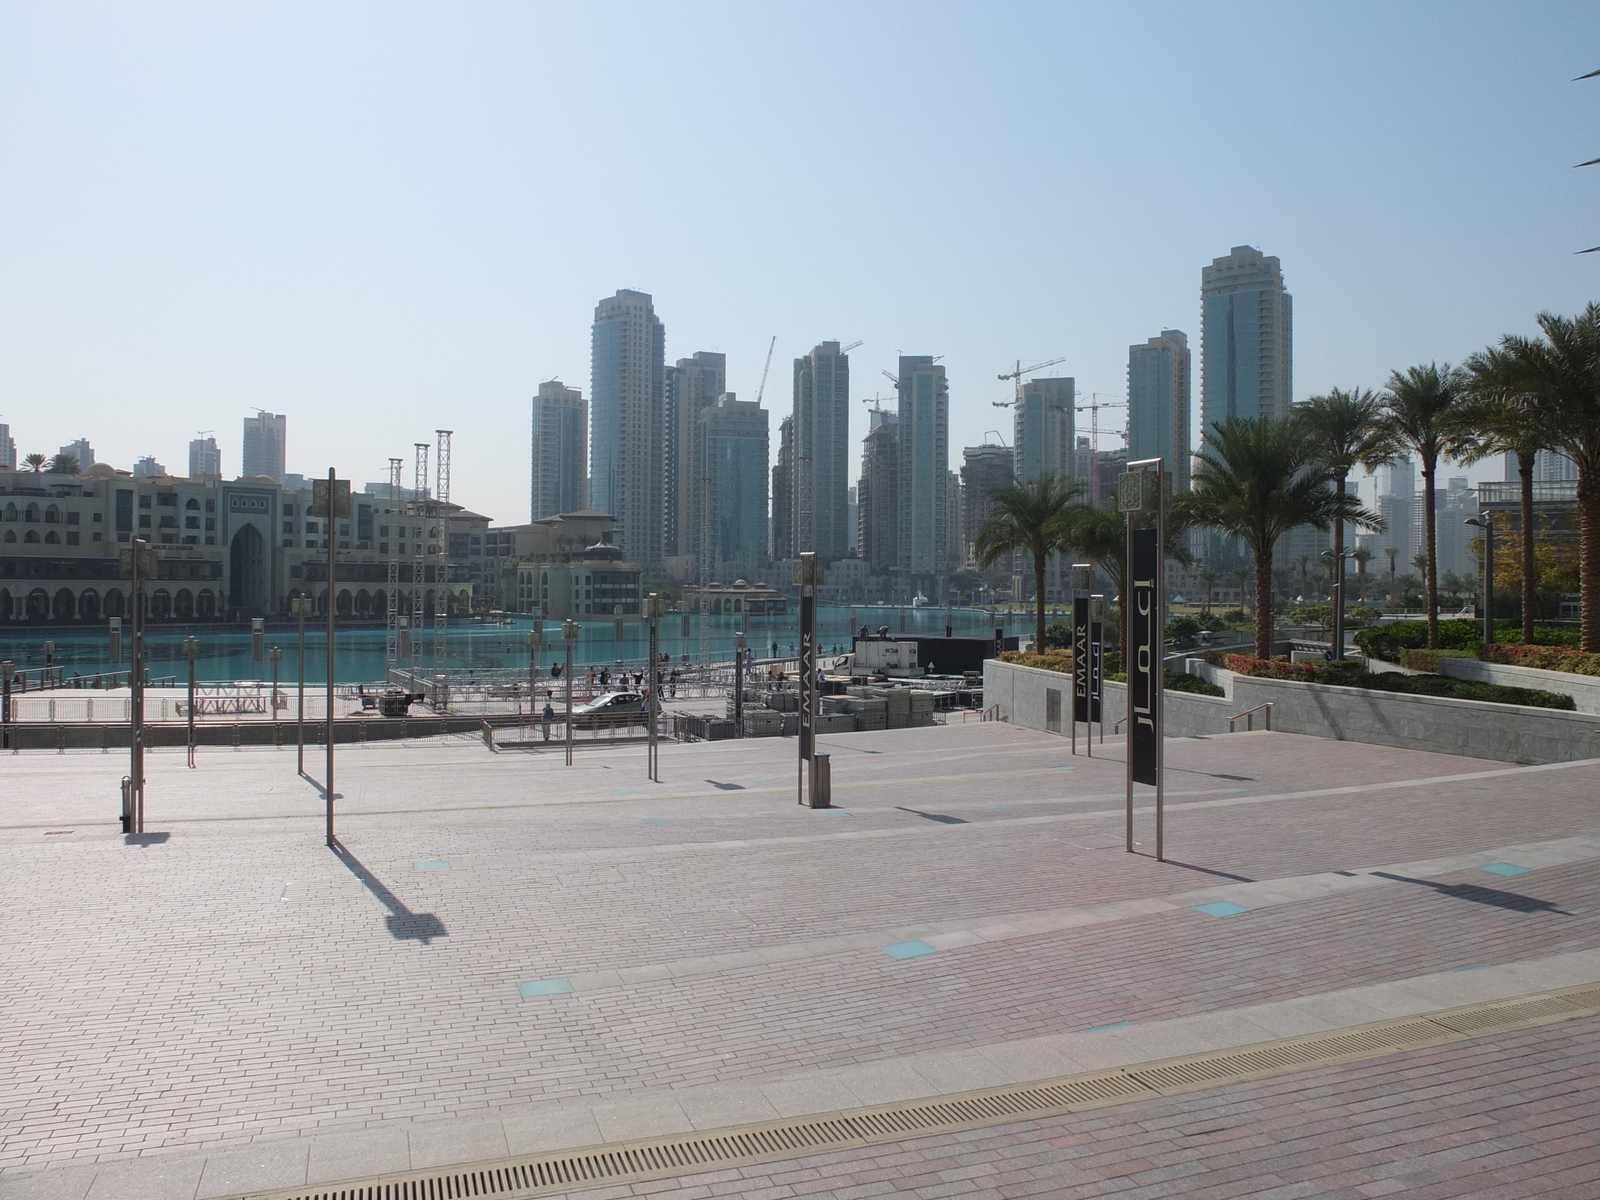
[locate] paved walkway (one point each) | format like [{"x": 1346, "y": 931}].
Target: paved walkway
[{"x": 508, "y": 954}]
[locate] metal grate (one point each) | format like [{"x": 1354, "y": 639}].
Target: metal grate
[{"x": 689, "y": 1153}]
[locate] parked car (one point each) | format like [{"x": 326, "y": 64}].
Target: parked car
[{"x": 613, "y": 708}]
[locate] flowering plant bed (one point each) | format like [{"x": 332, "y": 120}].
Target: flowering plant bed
[
  {"x": 1350, "y": 674},
  {"x": 1045, "y": 660},
  {"x": 1544, "y": 658}
]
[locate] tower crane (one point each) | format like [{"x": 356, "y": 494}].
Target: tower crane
[
  {"x": 894, "y": 379},
  {"x": 762, "y": 390},
  {"x": 851, "y": 346},
  {"x": 1093, "y": 409},
  {"x": 1017, "y": 375}
]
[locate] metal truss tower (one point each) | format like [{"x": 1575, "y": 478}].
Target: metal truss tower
[
  {"x": 391, "y": 641},
  {"x": 441, "y": 605},
  {"x": 419, "y": 512}
]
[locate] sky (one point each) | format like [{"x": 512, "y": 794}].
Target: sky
[{"x": 386, "y": 219}]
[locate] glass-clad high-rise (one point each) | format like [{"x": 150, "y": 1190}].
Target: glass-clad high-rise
[{"x": 627, "y": 359}]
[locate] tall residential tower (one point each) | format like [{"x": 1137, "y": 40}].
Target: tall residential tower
[
  {"x": 924, "y": 469},
  {"x": 627, "y": 359},
  {"x": 265, "y": 442},
  {"x": 1158, "y": 403},
  {"x": 559, "y": 479},
  {"x": 692, "y": 385},
  {"x": 1246, "y": 338},
  {"x": 822, "y": 452}
]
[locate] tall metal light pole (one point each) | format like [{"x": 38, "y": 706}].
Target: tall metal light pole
[
  {"x": 808, "y": 576},
  {"x": 5, "y": 702},
  {"x": 332, "y": 515},
  {"x": 275, "y": 656},
  {"x": 191, "y": 651},
  {"x": 741, "y": 646},
  {"x": 141, "y": 560},
  {"x": 652, "y": 612},
  {"x": 1485, "y": 522},
  {"x": 569, "y": 634},
  {"x": 1394, "y": 604},
  {"x": 535, "y": 644},
  {"x": 300, "y": 609}
]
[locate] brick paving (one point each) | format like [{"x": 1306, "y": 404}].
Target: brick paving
[
  {"x": 1510, "y": 1116},
  {"x": 238, "y": 983}
]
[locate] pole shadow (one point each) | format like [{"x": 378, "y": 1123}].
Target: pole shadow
[
  {"x": 1493, "y": 897},
  {"x": 1173, "y": 862},
  {"x": 144, "y": 839},
  {"x": 404, "y": 925},
  {"x": 941, "y": 818}
]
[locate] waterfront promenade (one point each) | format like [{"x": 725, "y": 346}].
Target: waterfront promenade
[{"x": 506, "y": 957}]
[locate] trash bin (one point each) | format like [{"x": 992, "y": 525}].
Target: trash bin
[{"x": 821, "y": 782}]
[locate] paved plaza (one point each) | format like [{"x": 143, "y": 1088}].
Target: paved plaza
[{"x": 506, "y": 955}]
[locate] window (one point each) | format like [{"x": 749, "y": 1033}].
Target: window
[
  {"x": 169, "y": 522},
  {"x": 192, "y": 505},
  {"x": 210, "y": 541},
  {"x": 211, "y": 506},
  {"x": 191, "y": 522},
  {"x": 167, "y": 499},
  {"x": 211, "y": 524},
  {"x": 99, "y": 517},
  {"x": 383, "y": 547},
  {"x": 288, "y": 510},
  {"x": 288, "y": 526},
  {"x": 191, "y": 539},
  {"x": 72, "y": 518},
  {"x": 144, "y": 520},
  {"x": 96, "y": 536},
  {"x": 144, "y": 501},
  {"x": 383, "y": 531},
  {"x": 52, "y": 538},
  {"x": 72, "y": 537},
  {"x": 311, "y": 543},
  {"x": 288, "y": 544}
]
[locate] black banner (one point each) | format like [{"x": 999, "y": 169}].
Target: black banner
[
  {"x": 1143, "y": 661},
  {"x": 1096, "y": 668},
  {"x": 1080, "y": 658},
  {"x": 808, "y": 667}
]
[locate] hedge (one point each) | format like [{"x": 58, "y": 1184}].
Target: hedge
[
  {"x": 1545, "y": 658},
  {"x": 1045, "y": 660},
  {"x": 1428, "y": 660},
  {"x": 1350, "y": 674}
]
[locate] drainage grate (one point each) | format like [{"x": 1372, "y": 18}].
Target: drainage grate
[{"x": 690, "y": 1153}]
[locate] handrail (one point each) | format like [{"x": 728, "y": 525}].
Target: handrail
[
  {"x": 1117, "y": 724},
  {"x": 1248, "y": 717}
]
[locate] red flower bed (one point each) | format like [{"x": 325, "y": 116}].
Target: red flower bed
[
  {"x": 1272, "y": 668},
  {"x": 1545, "y": 658}
]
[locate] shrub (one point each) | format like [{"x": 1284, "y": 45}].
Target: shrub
[
  {"x": 1313, "y": 614},
  {"x": 1268, "y": 668},
  {"x": 1183, "y": 626},
  {"x": 1350, "y": 674},
  {"x": 1546, "y": 658},
  {"x": 1235, "y": 616},
  {"x": 1210, "y": 622},
  {"x": 1387, "y": 641},
  {"x": 1046, "y": 660},
  {"x": 1543, "y": 635},
  {"x": 1058, "y": 636},
  {"x": 1177, "y": 681},
  {"x": 1358, "y": 615},
  {"x": 1428, "y": 660}
]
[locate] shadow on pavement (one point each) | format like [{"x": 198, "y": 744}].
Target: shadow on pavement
[
  {"x": 404, "y": 925},
  {"x": 1172, "y": 862},
  {"x": 939, "y": 817},
  {"x": 144, "y": 839},
  {"x": 1480, "y": 895}
]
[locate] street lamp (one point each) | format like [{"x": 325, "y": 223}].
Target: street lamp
[
  {"x": 275, "y": 656},
  {"x": 741, "y": 646},
  {"x": 569, "y": 634},
  {"x": 191, "y": 651},
  {"x": 653, "y": 608},
  {"x": 1485, "y": 522},
  {"x": 535, "y": 644},
  {"x": 300, "y": 609},
  {"x": 1393, "y": 604}
]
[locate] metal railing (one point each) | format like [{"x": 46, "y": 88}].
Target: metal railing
[{"x": 1249, "y": 719}]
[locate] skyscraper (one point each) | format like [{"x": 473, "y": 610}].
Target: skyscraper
[
  {"x": 80, "y": 450},
  {"x": 730, "y": 490},
  {"x": 148, "y": 468},
  {"x": 924, "y": 468},
  {"x": 822, "y": 451},
  {"x": 691, "y": 386},
  {"x": 559, "y": 478},
  {"x": 205, "y": 459},
  {"x": 783, "y": 493},
  {"x": 627, "y": 357},
  {"x": 266, "y": 437},
  {"x": 8, "y": 449},
  {"x": 1043, "y": 428},
  {"x": 1246, "y": 336},
  {"x": 878, "y": 493},
  {"x": 1158, "y": 403},
  {"x": 983, "y": 469}
]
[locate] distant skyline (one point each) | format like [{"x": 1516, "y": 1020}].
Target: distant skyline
[{"x": 384, "y": 219}]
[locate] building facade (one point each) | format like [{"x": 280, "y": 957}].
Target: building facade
[
  {"x": 822, "y": 452},
  {"x": 878, "y": 493},
  {"x": 559, "y": 453},
  {"x": 783, "y": 493},
  {"x": 730, "y": 493},
  {"x": 924, "y": 470},
  {"x": 1247, "y": 338},
  {"x": 81, "y": 451},
  {"x": 148, "y": 468},
  {"x": 266, "y": 441},
  {"x": 626, "y": 412},
  {"x": 1043, "y": 428},
  {"x": 983, "y": 469},
  {"x": 692, "y": 384},
  {"x": 205, "y": 459},
  {"x": 1158, "y": 403},
  {"x": 8, "y": 449}
]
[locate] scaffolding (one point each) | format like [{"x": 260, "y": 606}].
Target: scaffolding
[
  {"x": 391, "y": 639},
  {"x": 441, "y": 604},
  {"x": 419, "y": 548}
]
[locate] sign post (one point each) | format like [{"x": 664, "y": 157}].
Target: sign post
[
  {"x": 808, "y": 576},
  {"x": 652, "y": 612},
  {"x": 535, "y": 645},
  {"x": 300, "y": 609},
  {"x": 1143, "y": 490},
  {"x": 1082, "y": 574},
  {"x": 569, "y": 633},
  {"x": 330, "y": 500},
  {"x": 191, "y": 651},
  {"x": 741, "y": 646},
  {"x": 1097, "y": 663},
  {"x": 140, "y": 562}
]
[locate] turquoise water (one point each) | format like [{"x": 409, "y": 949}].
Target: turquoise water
[{"x": 225, "y": 650}]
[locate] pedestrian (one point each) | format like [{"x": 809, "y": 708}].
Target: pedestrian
[
  {"x": 555, "y": 670},
  {"x": 545, "y": 718},
  {"x": 672, "y": 684}
]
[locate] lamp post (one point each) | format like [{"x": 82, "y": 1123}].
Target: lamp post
[
  {"x": 569, "y": 634},
  {"x": 1336, "y": 570},
  {"x": 275, "y": 656},
  {"x": 1485, "y": 522},
  {"x": 141, "y": 563},
  {"x": 1394, "y": 604},
  {"x": 191, "y": 651},
  {"x": 535, "y": 644},
  {"x": 741, "y": 646},
  {"x": 652, "y": 612},
  {"x": 300, "y": 609},
  {"x": 5, "y": 702},
  {"x": 49, "y": 663}
]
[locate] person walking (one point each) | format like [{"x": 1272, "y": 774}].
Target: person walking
[{"x": 545, "y": 718}]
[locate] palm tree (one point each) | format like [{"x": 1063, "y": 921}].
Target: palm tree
[
  {"x": 1257, "y": 479},
  {"x": 1101, "y": 536},
  {"x": 1361, "y": 556},
  {"x": 1207, "y": 578},
  {"x": 35, "y": 462},
  {"x": 1426, "y": 415},
  {"x": 1303, "y": 564},
  {"x": 1346, "y": 431},
  {"x": 1023, "y": 519},
  {"x": 64, "y": 464},
  {"x": 1503, "y": 412}
]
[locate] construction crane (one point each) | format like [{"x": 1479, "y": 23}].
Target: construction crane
[
  {"x": 1017, "y": 375},
  {"x": 894, "y": 379},
  {"x": 876, "y": 401},
  {"x": 1093, "y": 409},
  {"x": 762, "y": 390},
  {"x": 851, "y": 347}
]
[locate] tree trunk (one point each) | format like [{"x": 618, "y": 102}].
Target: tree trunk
[
  {"x": 1038, "y": 602},
  {"x": 1264, "y": 605},
  {"x": 1589, "y": 558},
  {"x": 1529, "y": 582},
  {"x": 1430, "y": 596},
  {"x": 1338, "y": 578}
]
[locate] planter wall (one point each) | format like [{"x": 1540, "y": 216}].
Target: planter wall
[{"x": 1584, "y": 689}]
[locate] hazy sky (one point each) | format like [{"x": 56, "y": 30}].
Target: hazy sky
[{"x": 385, "y": 218}]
